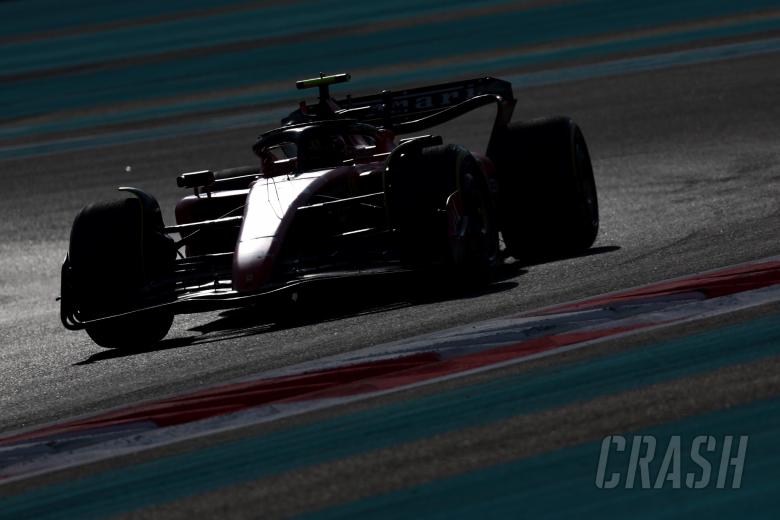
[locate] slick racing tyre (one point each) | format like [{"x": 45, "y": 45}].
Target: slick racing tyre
[
  {"x": 547, "y": 194},
  {"x": 134, "y": 332},
  {"x": 116, "y": 258},
  {"x": 444, "y": 214}
]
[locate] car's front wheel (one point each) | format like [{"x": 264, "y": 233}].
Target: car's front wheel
[
  {"x": 116, "y": 260},
  {"x": 133, "y": 332}
]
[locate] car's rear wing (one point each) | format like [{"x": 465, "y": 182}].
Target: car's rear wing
[
  {"x": 411, "y": 110},
  {"x": 396, "y": 109}
]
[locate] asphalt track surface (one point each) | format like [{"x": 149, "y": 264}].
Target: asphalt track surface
[{"x": 687, "y": 162}]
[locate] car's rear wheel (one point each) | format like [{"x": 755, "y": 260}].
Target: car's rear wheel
[
  {"x": 547, "y": 194},
  {"x": 117, "y": 259},
  {"x": 441, "y": 205}
]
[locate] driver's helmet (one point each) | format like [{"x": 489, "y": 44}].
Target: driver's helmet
[{"x": 326, "y": 150}]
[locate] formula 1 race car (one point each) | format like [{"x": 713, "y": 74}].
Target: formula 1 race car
[{"x": 336, "y": 193}]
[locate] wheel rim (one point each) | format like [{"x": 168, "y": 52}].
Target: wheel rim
[{"x": 469, "y": 225}]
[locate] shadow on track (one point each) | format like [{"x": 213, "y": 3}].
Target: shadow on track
[
  {"x": 332, "y": 301},
  {"x": 343, "y": 299},
  {"x": 166, "y": 344},
  {"x": 327, "y": 302}
]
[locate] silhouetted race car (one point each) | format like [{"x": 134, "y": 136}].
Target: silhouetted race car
[{"x": 337, "y": 193}]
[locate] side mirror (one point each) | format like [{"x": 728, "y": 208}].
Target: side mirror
[{"x": 201, "y": 179}]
